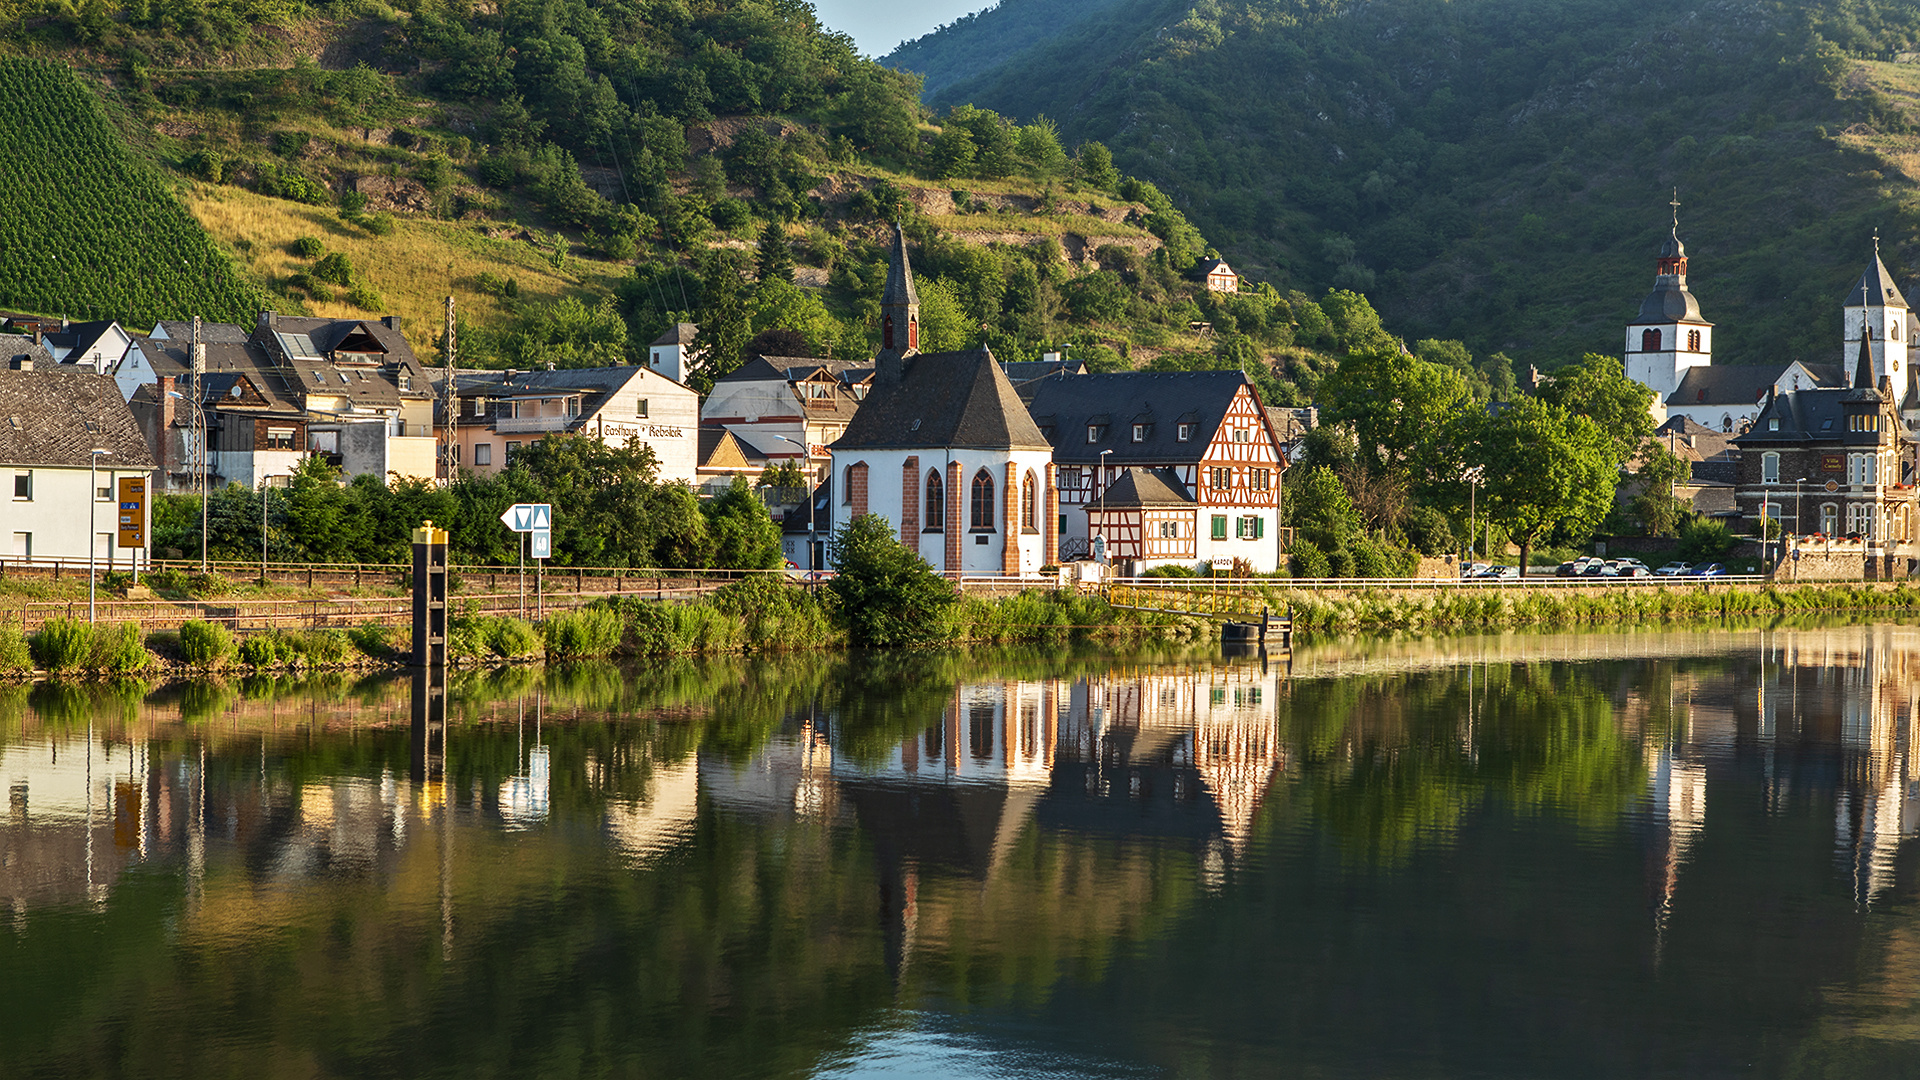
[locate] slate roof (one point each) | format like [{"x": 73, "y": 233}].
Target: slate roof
[
  {"x": 1208, "y": 266},
  {"x": 1878, "y": 286},
  {"x": 899, "y": 288},
  {"x": 1670, "y": 301},
  {"x": 1732, "y": 384},
  {"x": 45, "y": 413},
  {"x": 209, "y": 331},
  {"x": 14, "y": 346},
  {"x": 681, "y": 333},
  {"x": 1163, "y": 400},
  {"x": 1026, "y": 371},
  {"x": 329, "y": 335},
  {"x": 79, "y": 337},
  {"x": 960, "y": 400},
  {"x": 595, "y": 385},
  {"x": 226, "y": 361},
  {"x": 1146, "y": 487}
]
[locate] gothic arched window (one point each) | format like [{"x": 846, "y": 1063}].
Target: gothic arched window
[
  {"x": 886, "y": 331},
  {"x": 1649, "y": 341},
  {"x": 936, "y": 516},
  {"x": 1693, "y": 341},
  {"x": 1029, "y": 502},
  {"x": 983, "y": 501}
]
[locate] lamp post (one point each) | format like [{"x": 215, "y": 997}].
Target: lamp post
[
  {"x": 93, "y": 511},
  {"x": 1100, "y": 477},
  {"x": 1473, "y": 477},
  {"x": 806, "y": 457}
]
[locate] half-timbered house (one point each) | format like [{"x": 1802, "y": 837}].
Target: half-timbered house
[{"x": 1201, "y": 435}]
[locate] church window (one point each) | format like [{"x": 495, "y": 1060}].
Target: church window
[
  {"x": 983, "y": 501},
  {"x": 913, "y": 332},
  {"x": 1700, "y": 395},
  {"x": 1029, "y": 502},
  {"x": 886, "y": 331},
  {"x": 1650, "y": 341},
  {"x": 1770, "y": 468},
  {"x": 1893, "y": 330},
  {"x": 936, "y": 515},
  {"x": 1693, "y": 341}
]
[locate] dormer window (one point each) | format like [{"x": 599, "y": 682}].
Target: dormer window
[
  {"x": 1773, "y": 425},
  {"x": 1184, "y": 432},
  {"x": 1096, "y": 432},
  {"x": 319, "y": 379},
  {"x": 1140, "y": 432},
  {"x": 479, "y": 406}
]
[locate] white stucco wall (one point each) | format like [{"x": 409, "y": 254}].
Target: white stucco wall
[
  {"x": 56, "y": 515},
  {"x": 884, "y": 469}
]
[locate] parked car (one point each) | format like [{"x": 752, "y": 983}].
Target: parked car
[
  {"x": 1626, "y": 561},
  {"x": 1675, "y": 569},
  {"x": 1499, "y": 572},
  {"x": 1632, "y": 569},
  {"x": 1474, "y": 569},
  {"x": 1710, "y": 570},
  {"x": 1576, "y": 567},
  {"x": 1599, "y": 568}
]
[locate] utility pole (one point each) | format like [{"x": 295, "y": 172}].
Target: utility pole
[
  {"x": 197, "y": 370},
  {"x": 450, "y": 451}
]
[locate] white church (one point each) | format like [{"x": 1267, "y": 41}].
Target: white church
[{"x": 1669, "y": 349}]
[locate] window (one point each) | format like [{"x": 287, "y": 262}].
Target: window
[
  {"x": 1220, "y": 479},
  {"x": 279, "y": 438},
  {"x": 1140, "y": 432},
  {"x": 1096, "y": 432},
  {"x": 573, "y": 406},
  {"x": 23, "y": 545},
  {"x": 1829, "y": 518},
  {"x": 640, "y": 408},
  {"x": 1863, "y": 469},
  {"x": 1649, "y": 341},
  {"x": 406, "y": 380},
  {"x": 1242, "y": 435},
  {"x": 104, "y": 492},
  {"x": 1863, "y": 422},
  {"x": 886, "y": 331},
  {"x": 936, "y": 515},
  {"x": 344, "y": 381},
  {"x": 1170, "y": 530},
  {"x": 1251, "y": 528},
  {"x": 1262, "y": 478},
  {"x": 1773, "y": 424},
  {"x": 23, "y": 485},
  {"x": 1184, "y": 432},
  {"x": 1893, "y": 330},
  {"x": 479, "y": 406},
  {"x": 483, "y": 453},
  {"x": 1769, "y": 468},
  {"x": 1859, "y": 519},
  {"x": 1029, "y": 500},
  {"x": 846, "y": 486},
  {"x": 983, "y": 501},
  {"x": 319, "y": 379},
  {"x": 1219, "y": 526},
  {"x": 513, "y": 451},
  {"x": 1070, "y": 479},
  {"x": 1693, "y": 341}
]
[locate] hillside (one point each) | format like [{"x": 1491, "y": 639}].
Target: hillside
[
  {"x": 581, "y": 173},
  {"x": 1492, "y": 171},
  {"x": 86, "y": 228}
]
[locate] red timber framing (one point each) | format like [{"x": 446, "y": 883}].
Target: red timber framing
[
  {"x": 1244, "y": 453},
  {"x": 1121, "y": 526},
  {"x": 1010, "y": 522},
  {"x": 910, "y": 504},
  {"x": 956, "y": 530}
]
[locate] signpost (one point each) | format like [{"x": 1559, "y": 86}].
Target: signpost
[
  {"x": 535, "y": 519},
  {"x": 133, "y": 517}
]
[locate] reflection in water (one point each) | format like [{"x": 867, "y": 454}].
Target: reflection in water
[{"x": 986, "y": 866}]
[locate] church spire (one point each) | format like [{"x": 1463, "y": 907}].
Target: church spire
[
  {"x": 1673, "y": 253},
  {"x": 899, "y": 305},
  {"x": 1863, "y": 368}
]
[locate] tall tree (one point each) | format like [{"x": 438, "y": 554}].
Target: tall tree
[
  {"x": 1597, "y": 388},
  {"x": 1401, "y": 408},
  {"x": 1545, "y": 467}
]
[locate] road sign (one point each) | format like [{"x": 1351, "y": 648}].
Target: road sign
[
  {"x": 133, "y": 512},
  {"x": 528, "y": 517},
  {"x": 540, "y": 544}
]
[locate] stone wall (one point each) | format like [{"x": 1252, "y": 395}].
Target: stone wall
[{"x": 1438, "y": 568}]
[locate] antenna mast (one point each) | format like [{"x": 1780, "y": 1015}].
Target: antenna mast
[{"x": 449, "y": 454}]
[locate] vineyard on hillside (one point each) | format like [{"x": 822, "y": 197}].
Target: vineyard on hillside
[{"x": 88, "y": 230}]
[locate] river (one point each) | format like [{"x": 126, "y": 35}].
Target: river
[{"x": 1627, "y": 853}]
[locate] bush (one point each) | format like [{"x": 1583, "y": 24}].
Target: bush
[
  {"x": 373, "y": 639},
  {"x": 205, "y": 644},
  {"x": 120, "y": 649},
  {"x": 502, "y": 636},
  {"x": 321, "y": 646},
  {"x": 1306, "y": 560},
  {"x": 169, "y": 581},
  {"x": 776, "y": 614},
  {"x": 15, "y": 657},
  {"x": 1172, "y": 570},
  {"x": 1705, "y": 541},
  {"x": 62, "y": 645},
  {"x": 887, "y": 594},
  {"x": 588, "y": 631},
  {"x": 270, "y": 649},
  {"x": 309, "y": 247}
]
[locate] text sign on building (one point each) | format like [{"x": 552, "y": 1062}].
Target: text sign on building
[
  {"x": 133, "y": 512},
  {"x": 528, "y": 517},
  {"x": 1832, "y": 463}
]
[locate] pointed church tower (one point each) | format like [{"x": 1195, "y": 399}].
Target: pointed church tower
[
  {"x": 899, "y": 305},
  {"x": 1668, "y": 336},
  {"x": 1876, "y": 309}
]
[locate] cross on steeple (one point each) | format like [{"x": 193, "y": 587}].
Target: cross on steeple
[
  {"x": 1876, "y": 241},
  {"x": 1676, "y": 211}
]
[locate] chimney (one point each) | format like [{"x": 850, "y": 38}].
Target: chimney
[
  {"x": 391, "y": 322},
  {"x": 508, "y": 376},
  {"x": 35, "y": 334},
  {"x": 270, "y": 320},
  {"x": 1886, "y": 386},
  {"x": 22, "y": 362}
]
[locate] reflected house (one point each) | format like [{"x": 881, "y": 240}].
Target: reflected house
[
  {"x": 791, "y": 774},
  {"x": 78, "y": 816},
  {"x": 644, "y": 827}
]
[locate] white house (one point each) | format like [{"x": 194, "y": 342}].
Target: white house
[
  {"x": 58, "y": 491},
  {"x": 500, "y": 412},
  {"x": 97, "y": 345},
  {"x": 945, "y": 451}
]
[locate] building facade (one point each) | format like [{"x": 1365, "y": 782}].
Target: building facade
[{"x": 61, "y": 498}]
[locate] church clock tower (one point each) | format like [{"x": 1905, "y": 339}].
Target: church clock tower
[
  {"x": 1668, "y": 336},
  {"x": 1876, "y": 308}
]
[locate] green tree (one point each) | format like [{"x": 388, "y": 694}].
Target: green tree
[
  {"x": 1655, "y": 507},
  {"x": 1322, "y": 512},
  {"x": 1094, "y": 166},
  {"x": 774, "y": 259},
  {"x": 744, "y": 535},
  {"x": 1545, "y": 468},
  {"x": 1402, "y": 410},
  {"x": 1597, "y": 388},
  {"x": 888, "y": 595}
]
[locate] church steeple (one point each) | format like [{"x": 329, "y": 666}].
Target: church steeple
[
  {"x": 899, "y": 305},
  {"x": 1876, "y": 312},
  {"x": 1673, "y": 254},
  {"x": 1668, "y": 336}
]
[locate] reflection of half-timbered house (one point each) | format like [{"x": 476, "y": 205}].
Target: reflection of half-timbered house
[{"x": 1203, "y": 438}]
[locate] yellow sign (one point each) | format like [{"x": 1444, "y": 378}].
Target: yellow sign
[{"x": 133, "y": 511}]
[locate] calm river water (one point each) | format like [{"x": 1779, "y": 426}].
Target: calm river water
[{"x": 1608, "y": 855}]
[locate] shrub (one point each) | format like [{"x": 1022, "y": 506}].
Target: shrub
[
  {"x": 15, "y": 657},
  {"x": 1705, "y": 541},
  {"x": 210, "y": 584},
  {"x": 372, "y": 639},
  {"x": 502, "y": 636},
  {"x": 309, "y": 247},
  {"x": 62, "y": 645},
  {"x": 887, "y": 594},
  {"x": 588, "y": 631},
  {"x": 1171, "y": 570},
  {"x": 120, "y": 649},
  {"x": 270, "y": 649},
  {"x": 1306, "y": 560},
  {"x": 168, "y": 581},
  {"x": 321, "y": 646},
  {"x": 205, "y": 644},
  {"x": 335, "y": 269}
]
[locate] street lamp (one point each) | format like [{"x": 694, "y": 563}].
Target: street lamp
[
  {"x": 808, "y": 458},
  {"x": 93, "y": 511},
  {"x": 1100, "y": 477},
  {"x": 1474, "y": 477}
]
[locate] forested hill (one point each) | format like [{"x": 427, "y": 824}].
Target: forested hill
[{"x": 1497, "y": 171}]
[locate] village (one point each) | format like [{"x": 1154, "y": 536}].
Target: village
[{"x": 984, "y": 468}]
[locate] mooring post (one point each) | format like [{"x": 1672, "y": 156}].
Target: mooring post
[{"x": 429, "y": 596}]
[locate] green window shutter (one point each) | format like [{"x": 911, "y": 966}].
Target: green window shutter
[
  {"x": 1259, "y": 527},
  {"x": 1219, "y": 526}
]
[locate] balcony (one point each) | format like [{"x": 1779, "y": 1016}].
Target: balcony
[{"x": 509, "y": 425}]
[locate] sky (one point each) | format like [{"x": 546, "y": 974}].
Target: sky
[{"x": 879, "y": 25}]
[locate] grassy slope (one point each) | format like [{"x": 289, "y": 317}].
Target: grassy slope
[{"x": 1526, "y": 154}]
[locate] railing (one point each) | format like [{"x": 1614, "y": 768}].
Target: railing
[{"x": 508, "y": 425}]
